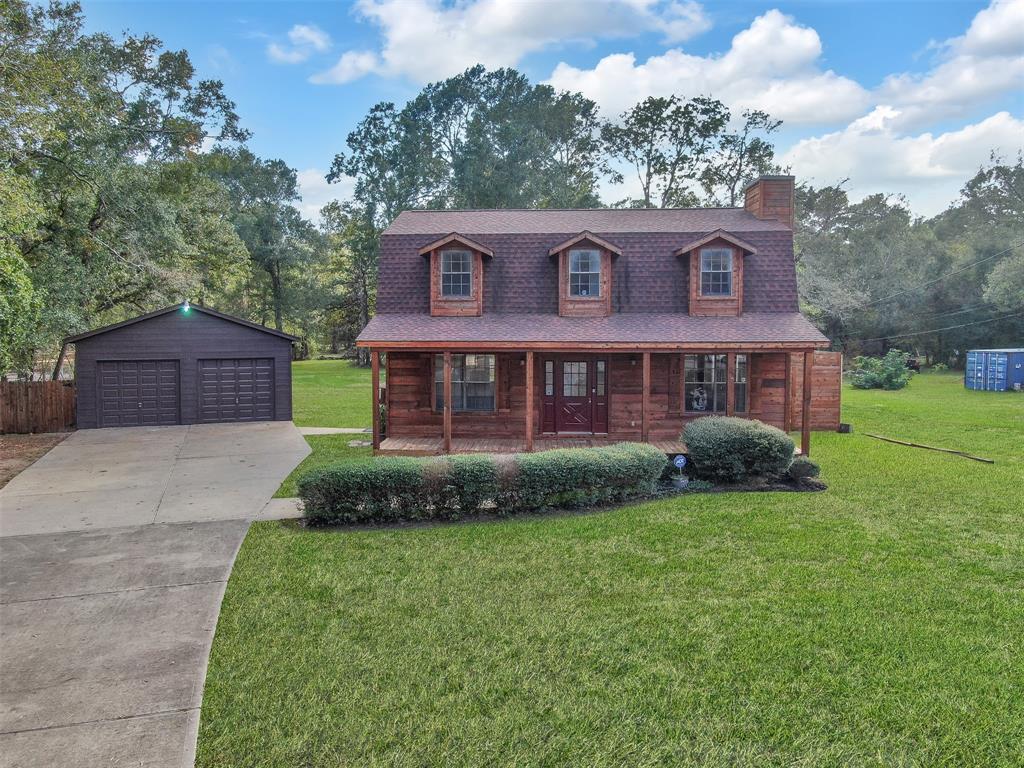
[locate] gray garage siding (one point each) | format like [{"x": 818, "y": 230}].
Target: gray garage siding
[{"x": 186, "y": 337}]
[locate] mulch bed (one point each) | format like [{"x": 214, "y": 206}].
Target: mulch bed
[{"x": 19, "y": 451}]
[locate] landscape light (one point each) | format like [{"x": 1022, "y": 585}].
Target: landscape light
[{"x": 185, "y": 306}]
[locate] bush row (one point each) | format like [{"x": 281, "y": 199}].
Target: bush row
[{"x": 404, "y": 488}]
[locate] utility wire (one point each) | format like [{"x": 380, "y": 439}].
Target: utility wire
[
  {"x": 937, "y": 330},
  {"x": 943, "y": 277}
]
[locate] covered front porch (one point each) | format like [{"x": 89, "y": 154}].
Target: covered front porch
[{"x": 501, "y": 400}]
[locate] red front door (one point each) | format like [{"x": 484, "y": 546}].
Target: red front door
[{"x": 575, "y": 394}]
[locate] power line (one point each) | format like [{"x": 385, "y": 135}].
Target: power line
[
  {"x": 943, "y": 277},
  {"x": 937, "y": 330}
]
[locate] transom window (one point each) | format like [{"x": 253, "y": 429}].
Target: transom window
[
  {"x": 472, "y": 382},
  {"x": 456, "y": 274},
  {"x": 716, "y": 272},
  {"x": 705, "y": 386},
  {"x": 585, "y": 273}
]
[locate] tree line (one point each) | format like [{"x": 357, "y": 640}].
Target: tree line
[{"x": 126, "y": 184}]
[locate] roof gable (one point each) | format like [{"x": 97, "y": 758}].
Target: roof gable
[
  {"x": 173, "y": 308},
  {"x": 585, "y": 237},
  {"x": 718, "y": 234},
  {"x": 455, "y": 237}
]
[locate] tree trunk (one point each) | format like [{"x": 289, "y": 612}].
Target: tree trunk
[{"x": 275, "y": 288}]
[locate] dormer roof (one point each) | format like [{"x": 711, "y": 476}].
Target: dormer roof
[
  {"x": 455, "y": 237},
  {"x": 586, "y": 237},
  {"x": 718, "y": 234}
]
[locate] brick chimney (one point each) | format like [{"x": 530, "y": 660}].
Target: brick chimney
[{"x": 771, "y": 198}]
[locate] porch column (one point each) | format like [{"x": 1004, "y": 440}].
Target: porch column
[
  {"x": 375, "y": 383},
  {"x": 530, "y": 394},
  {"x": 787, "y": 405},
  {"x": 805, "y": 414},
  {"x": 645, "y": 398},
  {"x": 447, "y": 443},
  {"x": 730, "y": 383}
]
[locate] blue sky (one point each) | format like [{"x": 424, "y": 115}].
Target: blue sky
[{"x": 899, "y": 97}]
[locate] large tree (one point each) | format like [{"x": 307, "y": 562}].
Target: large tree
[
  {"x": 480, "y": 139},
  {"x": 106, "y": 133}
]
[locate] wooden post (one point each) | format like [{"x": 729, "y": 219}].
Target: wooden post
[
  {"x": 787, "y": 405},
  {"x": 447, "y": 447},
  {"x": 730, "y": 383},
  {"x": 375, "y": 383},
  {"x": 805, "y": 415},
  {"x": 645, "y": 399},
  {"x": 530, "y": 394}
]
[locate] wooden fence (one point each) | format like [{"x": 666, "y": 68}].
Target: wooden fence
[
  {"x": 36, "y": 406},
  {"x": 826, "y": 390}
]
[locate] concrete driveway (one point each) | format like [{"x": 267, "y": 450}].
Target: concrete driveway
[{"x": 115, "y": 549}]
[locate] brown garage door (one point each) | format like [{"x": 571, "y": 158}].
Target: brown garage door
[
  {"x": 236, "y": 389},
  {"x": 136, "y": 393}
]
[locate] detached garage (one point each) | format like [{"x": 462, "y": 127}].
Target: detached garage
[{"x": 182, "y": 365}]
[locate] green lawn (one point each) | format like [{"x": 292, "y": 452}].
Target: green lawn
[
  {"x": 330, "y": 393},
  {"x": 327, "y": 449},
  {"x": 878, "y": 623}
]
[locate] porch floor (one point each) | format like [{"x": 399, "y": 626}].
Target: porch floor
[{"x": 431, "y": 446}]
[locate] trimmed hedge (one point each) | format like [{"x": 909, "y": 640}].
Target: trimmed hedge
[
  {"x": 803, "y": 467},
  {"x": 400, "y": 488},
  {"x": 730, "y": 449}
]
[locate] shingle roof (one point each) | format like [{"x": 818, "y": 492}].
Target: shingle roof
[
  {"x": 633, "y": 328},
  {"x": 604, "y": 220},
  {"x": 175, "y": 308}
]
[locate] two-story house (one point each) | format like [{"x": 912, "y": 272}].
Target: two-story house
[{"x": 508, "y": 330}]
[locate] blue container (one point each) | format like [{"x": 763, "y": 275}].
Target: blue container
[{"x": 995, "y": 370}]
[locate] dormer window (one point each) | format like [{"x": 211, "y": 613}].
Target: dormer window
[
  {"x": 585, "y": 273},
  {"x": 716, "y": 272},
  {"x": 456, "y": 274}
]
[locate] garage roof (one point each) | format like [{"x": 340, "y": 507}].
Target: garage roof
[{"x": 173, "y": 308}]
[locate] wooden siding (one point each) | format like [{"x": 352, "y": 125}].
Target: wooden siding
[
  {"x": 717, "y": 306},
  {"x": 410, "y": 396},
  {"x": 36, "y": 406},
  {"x": 441, "y": 306},
  {"x": 186, "y": 338},
  {"x": 826, "y": 390},
  {"x": 771, "y": 198},
  {"x": 590, "y": 306}
]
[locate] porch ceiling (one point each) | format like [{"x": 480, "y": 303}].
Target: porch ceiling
[{"x": 625, "y": 331}]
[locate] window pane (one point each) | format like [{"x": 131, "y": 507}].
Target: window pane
[
  {"x": 704, "y": 390},
  {"x": 456, "y": 273},
  {"x": 574, "y": 379},
  {"x": 599, "y": 374},
  {"x": 549, "y": 377},
  {"x": 472, "y": 382},
  {"x": 716, "y": 272},
  {"x": 584, "y": 273},
  {"x": 740, "y": 387}
]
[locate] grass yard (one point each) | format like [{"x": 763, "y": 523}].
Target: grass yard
[
  {"x": 327, "y": 449},
  {"x": 330, "y": 393},
  {"x": 878, "y": 623}
]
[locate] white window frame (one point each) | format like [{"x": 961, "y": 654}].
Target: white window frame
[
  {"x": 444, "y": 256},
  {"x": 706, "y": 254},
  {"x": 595, "y": 261}
]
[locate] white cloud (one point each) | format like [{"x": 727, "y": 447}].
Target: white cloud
[
  {"x": 429, "y": 40},
  {"x": 316, "y": 192},
  {"x": 984, "y": 63},
  {"x": 928, "y": 168},
  {"x": 304, "y": 39},
  {"x": 772, "y": 65}
]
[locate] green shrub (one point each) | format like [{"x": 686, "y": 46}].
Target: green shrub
[
  {"x": 889, "y": 372},
  {"x": 803, "y": 467},
  {"x": 451, "y": 487},
  {"x": 730, "y": 449},
  {"x": 390, "y": 488},
  {"x": 940, "y": 368}
]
